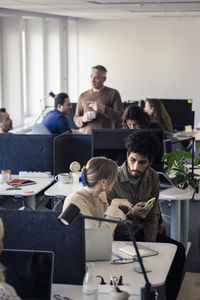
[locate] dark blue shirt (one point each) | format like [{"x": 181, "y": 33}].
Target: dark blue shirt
[{"x": 56, "y": 122}]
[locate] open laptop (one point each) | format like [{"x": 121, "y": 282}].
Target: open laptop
[
  {"x": 165, "y": 182},
  {"x": 98, "y": 244},
  {"x": 30, "y": 272}
]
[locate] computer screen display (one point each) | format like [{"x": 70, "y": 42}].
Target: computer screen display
[{"x": 180, "y": 111}]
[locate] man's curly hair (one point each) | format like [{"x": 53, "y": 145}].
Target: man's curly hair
[{"x": 143, "y": 142}]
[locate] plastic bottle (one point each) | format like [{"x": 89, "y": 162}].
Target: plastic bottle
[{"x": 90, "y": 283}]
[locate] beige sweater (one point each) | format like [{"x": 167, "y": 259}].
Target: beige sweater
[
  {"x": 97, "y": 207},
  {"x": 112, "y": 109}
]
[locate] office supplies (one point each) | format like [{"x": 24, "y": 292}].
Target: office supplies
[
  {"x": 144, "y": 251},
  {"x": 139, "y": 270},
  {"x": 30, "y": 272},
  {"x": 95, "y": 249},
  {"x": 116, "y": 255},
  {"x": 13, "y": 189},
  {"x": 21, "y": 182}
]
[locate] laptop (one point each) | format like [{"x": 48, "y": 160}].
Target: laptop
[
  {"x": 165, "y": 182},
  {"x": 98, "y": 244},
  {"x": 30, "y": 272}
]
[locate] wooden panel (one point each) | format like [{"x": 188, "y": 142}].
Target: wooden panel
[{"x": 190, "y": 288}]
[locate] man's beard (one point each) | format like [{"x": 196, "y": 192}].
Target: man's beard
[{"x": 136, "y": 176}]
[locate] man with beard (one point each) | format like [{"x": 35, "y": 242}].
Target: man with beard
[
  {"x": 138, "y": 183},
  {"x": 5, "y": 121}
]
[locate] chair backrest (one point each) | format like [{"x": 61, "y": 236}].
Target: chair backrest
[
  {"x": 41, "y": 230},
  {"x": 40, "y": 129},
  {"x": 71, "y": 147},
  {"x": 26, "y": 152}
]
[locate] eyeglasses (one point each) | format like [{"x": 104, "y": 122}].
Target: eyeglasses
[{"x": 122, "y": 261}]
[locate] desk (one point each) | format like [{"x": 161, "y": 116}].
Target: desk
[
  {"x": 62, "y": 190},
  {"x": 133, "y": 281},
  {"x": 28, "y": 191},
  {"x": 179, "y": 212}
]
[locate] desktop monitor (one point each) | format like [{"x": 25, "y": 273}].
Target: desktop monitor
[
  {"x": 180, "y": 111},
  {"x": 111, "y": 143}
]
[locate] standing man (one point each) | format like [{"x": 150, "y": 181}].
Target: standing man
[
  {"x": 138, "y": 183},
  {"x": 100, "y": 106},
  {"x": 56, "y": 120},
  {"x": 5, "y": 122}
]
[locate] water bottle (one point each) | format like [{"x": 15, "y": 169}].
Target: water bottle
[{"x": 90, "y": 283}]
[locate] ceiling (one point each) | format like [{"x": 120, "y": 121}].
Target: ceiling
[{"x": 108, "y": 9}]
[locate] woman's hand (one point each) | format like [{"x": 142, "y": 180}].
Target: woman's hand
[{"x": 122, "y": 202}]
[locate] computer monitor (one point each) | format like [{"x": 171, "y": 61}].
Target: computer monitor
[
  {"x": 180, "y": 111},
  {"x": 111, "y": 143}
]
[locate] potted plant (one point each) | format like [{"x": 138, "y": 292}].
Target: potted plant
[{"x": 179, "y": 170}]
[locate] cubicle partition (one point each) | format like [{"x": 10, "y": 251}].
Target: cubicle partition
[
  {"x": 71, "y": 147},
  {"x": 24, "y": 152},
  {"x": 111, "y": 143},
  {"x": 41, "y": 230}
]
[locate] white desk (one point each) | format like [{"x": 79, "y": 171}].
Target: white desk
[
  {"x": 179, "y": 212},
  {"x": 28, "y": 191},
  {"x": 159, "y": 265},
  {"x": 62, "y": 190}
]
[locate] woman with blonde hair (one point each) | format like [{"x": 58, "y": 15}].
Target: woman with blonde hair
[
  {"x": 97, "y": 177},
  {"x": 7, "y": 292},
  {"x": 156, "y": 109}
]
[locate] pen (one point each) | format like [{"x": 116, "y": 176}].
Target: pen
[
  {"x": 116, "y": 255},
  {"x": 59, "y": 297}
]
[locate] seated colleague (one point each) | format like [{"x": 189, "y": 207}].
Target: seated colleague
[
  {"x": 97, "y": 177},
  {"x": 158, "y": 113},
  {"x": 56, "y": 120},
  {"x": 138, "y": 182},
  {"x": 134, "y": 117},
  {"x": 6, "y": 291},
  {"x": 5, "y": 121},
  {"x": 104, "y": 102}
]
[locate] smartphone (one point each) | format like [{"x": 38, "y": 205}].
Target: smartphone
[{"x": 150, "y": 201}]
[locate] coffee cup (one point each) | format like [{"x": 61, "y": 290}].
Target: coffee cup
[
  {"x": 63, "y": 178},
  {"x": 91, "y": 114},
  {"x": 75, "y": 177},
  {"x": 5, "y": 176}
]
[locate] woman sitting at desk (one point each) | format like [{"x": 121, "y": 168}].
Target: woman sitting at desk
[
  {"x": 7, "y": 292},
  {"x": 134, "y": 117},
  {"x": 159, "y": 115},
  {"x": 97, "y": 177}
]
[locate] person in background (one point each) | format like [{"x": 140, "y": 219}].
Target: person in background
[
  {"x": 134, "y": 117},
  {"x": 7, "y": 292},
  {"x": 158, "y": 113},
  {"x": 56, "y": 120},
  {"x": 98, "y": 177},
  {"x": 138, "y": 182},
  {"x": 5, "y": 122},
  {"x": 99, "y": 107}
]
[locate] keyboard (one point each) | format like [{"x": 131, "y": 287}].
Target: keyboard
[{"x": 24, "y": 174}]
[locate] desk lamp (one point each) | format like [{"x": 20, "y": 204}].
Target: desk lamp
[{"x": 147, "y": 293}]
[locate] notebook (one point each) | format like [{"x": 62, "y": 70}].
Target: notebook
[
  {"x": 165, "y": 182},
  {"x": 98, "y": 244},
  {"x": 30, "y": 272},
  {"x": 144, "y": 251}
]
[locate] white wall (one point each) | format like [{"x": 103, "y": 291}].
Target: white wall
[{"x": 145, "y": 58}]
